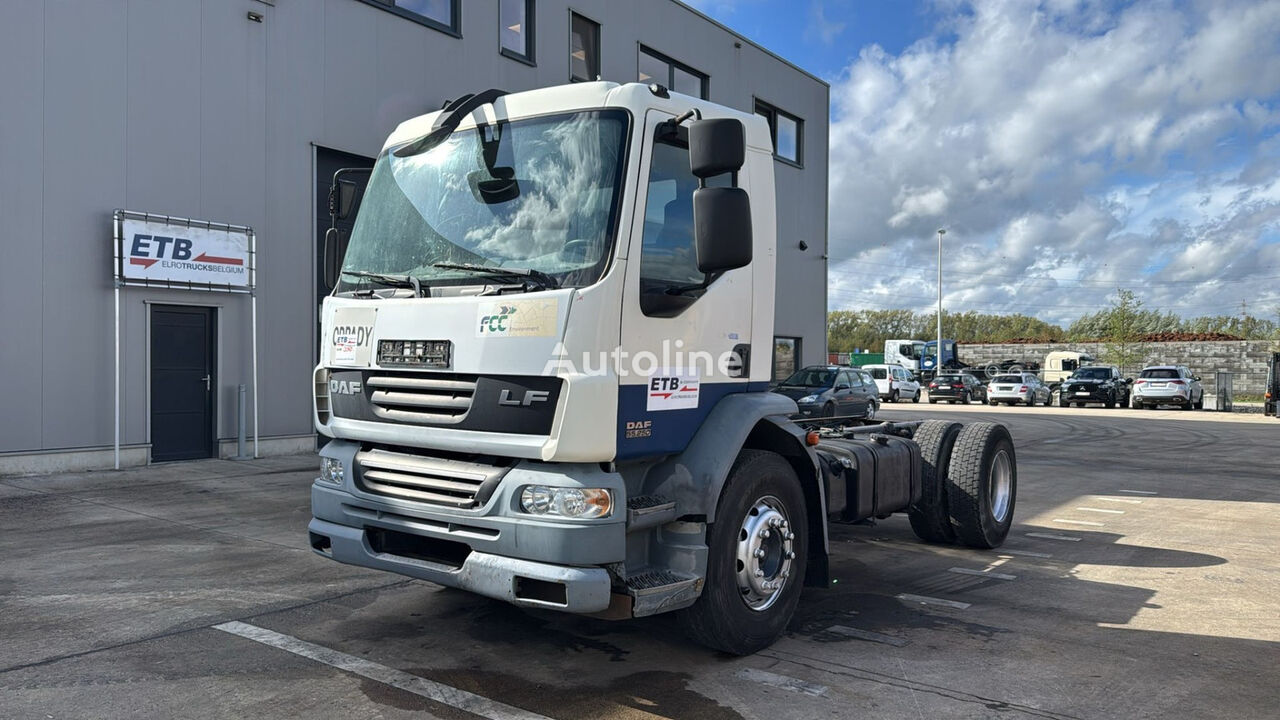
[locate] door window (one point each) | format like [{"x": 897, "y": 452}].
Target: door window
[{"x": 786, "y": 353}]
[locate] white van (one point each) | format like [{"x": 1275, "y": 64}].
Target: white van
[{"x": 894, "y": 382}]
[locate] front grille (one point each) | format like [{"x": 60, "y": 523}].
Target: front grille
[
  {"x": 421, "y": 399},
  {"x": 431, "y": 480}
]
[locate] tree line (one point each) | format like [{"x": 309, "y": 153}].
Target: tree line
[{"x": 1122, "y": 324}]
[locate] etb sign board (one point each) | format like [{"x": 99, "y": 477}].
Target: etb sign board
[{"x": 191, "y": 254}]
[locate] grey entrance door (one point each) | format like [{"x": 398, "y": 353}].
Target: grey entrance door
[{"x": 182, "y": 382}]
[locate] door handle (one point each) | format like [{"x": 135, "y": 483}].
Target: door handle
[{"x": 206, "y": 380}]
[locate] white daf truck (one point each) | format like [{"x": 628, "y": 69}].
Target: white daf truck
[{"x": 544, "y": 371}]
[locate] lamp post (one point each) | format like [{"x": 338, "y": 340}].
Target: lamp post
[{"x": 937, "y": 357}]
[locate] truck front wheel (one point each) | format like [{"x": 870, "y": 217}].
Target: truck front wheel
[
  {"x": 983, "y": 485},
  {"x": 756, "y": 558}
]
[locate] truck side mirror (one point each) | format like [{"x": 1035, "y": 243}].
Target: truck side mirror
[
  {"x": 332, "y": 257},
  {"x": 722, "y": 228},
  {"x": 716, "y": 146},
  {"x": 721, "y": 215},
  {"x": 342, "y": 199}
]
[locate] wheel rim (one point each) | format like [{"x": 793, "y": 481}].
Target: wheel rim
[
  {"x": 1000, "y": 486},
  {"x": 871, "y": 411},
  {"x": 764, "y": 554}
]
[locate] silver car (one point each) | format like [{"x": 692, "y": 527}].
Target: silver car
[
  {"x": 1168, "y": 385},
  {"x": 1018, "y": 389}
]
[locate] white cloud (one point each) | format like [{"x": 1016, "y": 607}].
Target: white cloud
[{"x": 1069, "y": 147}]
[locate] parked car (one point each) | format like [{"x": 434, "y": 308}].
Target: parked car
[
  {"x": 961, "y": 387},
  {"x": 831, "y": 391},
  {"x": 1095, "y": 384},
  {"x": 1019, "y": 389},
  {"x": 894, "y": 382},
  {"x": 1168, "y": 385}
]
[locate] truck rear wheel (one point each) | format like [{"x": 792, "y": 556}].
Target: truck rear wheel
[
  {"x": 929, "y": 518},
  {"x": 757, "y": 549},
  {"x": 983, "y": 485}
]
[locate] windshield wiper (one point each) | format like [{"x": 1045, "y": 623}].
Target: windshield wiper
[
  {"x": 403, "y": 281},
  {"x": 544, "y": 280}
]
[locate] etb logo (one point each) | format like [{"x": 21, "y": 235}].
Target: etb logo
[{"x": 148, "y": 250}]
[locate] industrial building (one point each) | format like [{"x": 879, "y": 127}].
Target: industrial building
[{"x": 236, "y": 113}]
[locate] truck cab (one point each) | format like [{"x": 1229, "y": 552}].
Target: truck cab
[
  {"x": 906, "y": 353},
  {"x": 929, "y": 363},
  {"x": 544, "y": 372}
]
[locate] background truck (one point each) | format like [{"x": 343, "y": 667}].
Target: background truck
[
  {"x": 929, "y": 363},
  {"x": 906, "y": 353},
  {"x": 544, "y": 372}
]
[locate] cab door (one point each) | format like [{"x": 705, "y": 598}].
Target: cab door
[{"x": 683, "y": 347}]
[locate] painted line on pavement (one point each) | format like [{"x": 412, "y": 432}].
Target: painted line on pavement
[
  {"x": 1078, "y": 522},
  {"x": 439, "y": 692},
  {"x": 1049, "y": 536},
  {"x": 1101, "y": 510},
  {"x": 1130, "y": 501},
  {"x": 1028, "y": 553},
  {"x": 980, "y": 573},
  {"x": 782, "y": 681},
  {"x": 867, "y": 635},
  {"x": 925, "y": 600},
  {"x": 1139, "y": 492}
]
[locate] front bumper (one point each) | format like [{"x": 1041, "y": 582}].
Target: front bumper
[
  {"x": 1087, "y": 394},
  {"x": 494, "y": 549},
  {"x": 520, "y": 582}
]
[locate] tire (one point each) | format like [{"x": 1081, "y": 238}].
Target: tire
[
  {"x": 933, "y": 401},
  {"x": 916, "y": 398},
  {"x": 929, "y": 518},
  {"x": 1110, "y": 403},
  {"x": 872, "y": 408},
  {"x": 1200, "y": 403},
  {"x": 893, "y": 396},
  {"x": 1063, "y": 403},
  {"x": 829, "y": 410},
  {"x": 1079, "y": 404},
  {"x": 992, "y": 403},
  {"x": 983, "y": 466},
  {"x": 1031, "y": 400},
  {"x": 1135, "y": 404},
  {"x": 965, "y": 399},
  {"x": 1187, "y": 405},
  {"x": 1048, "y": 401},
  {"x": 722, "y": 617}
]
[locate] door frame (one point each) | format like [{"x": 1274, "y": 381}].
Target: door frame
[{"x": 215, "y": 353}]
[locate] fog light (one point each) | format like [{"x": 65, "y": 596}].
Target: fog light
[
  {"x": 331, "y": 470},
  {"x": 566, "y": 502}
]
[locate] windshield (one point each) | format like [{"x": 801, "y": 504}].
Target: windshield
[
  {"x": 541, "y": 193},
  {"x": 1092, "y": 374},
  {"x": 811, "y": 377}
]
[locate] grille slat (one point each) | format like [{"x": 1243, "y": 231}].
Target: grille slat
[
  {"x": 421, "y": 400},
  {"x": 438, "y": 481}
]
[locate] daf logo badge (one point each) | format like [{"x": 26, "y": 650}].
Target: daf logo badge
[
  {"x": 530, "y": 397},
  {"x": 345, "y": 387}
]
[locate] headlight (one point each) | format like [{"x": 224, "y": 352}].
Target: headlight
[
  {"x": 808, "y": 399},
  {"x": 566, "y": 502},
  {"x": 331, "y": 470}
]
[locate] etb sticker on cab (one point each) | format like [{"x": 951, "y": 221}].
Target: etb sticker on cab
[
  {"x": 352, "y": 336},
  {"x": 672, "y": 389}
]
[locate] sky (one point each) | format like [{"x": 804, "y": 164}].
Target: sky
[{"x": 1068, "y": 147}]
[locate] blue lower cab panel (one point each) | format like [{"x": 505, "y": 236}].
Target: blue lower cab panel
[{"x": 644, "y": 433}]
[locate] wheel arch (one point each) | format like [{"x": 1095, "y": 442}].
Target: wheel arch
[{"x": 695, "y": 477}]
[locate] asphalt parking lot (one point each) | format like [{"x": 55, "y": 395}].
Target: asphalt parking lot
[{"x": 1140, "y": 580}]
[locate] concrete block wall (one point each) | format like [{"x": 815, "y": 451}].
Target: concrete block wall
[{"x": 1247, "y": 360}]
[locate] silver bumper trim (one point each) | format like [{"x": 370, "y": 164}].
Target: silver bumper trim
[{"x": 586, "y": 588}]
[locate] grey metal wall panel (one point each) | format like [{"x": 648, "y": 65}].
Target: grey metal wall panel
[
  {"x": 84, "y": 156},
  {"x": 22, "y": 139}
]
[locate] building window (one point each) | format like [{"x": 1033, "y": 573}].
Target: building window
[
  {"x": 584, "y": 49},
  {"x": 443, "y": 15},
  {"x": 787, "y": 132},
  {"x": 658, "y": 68},
  {"x": 786, "y": 357},
  {"x": 516, "y": 29}
]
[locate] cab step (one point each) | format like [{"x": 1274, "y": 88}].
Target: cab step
[
  {"x": 646, "y": 511},
  {"x": 657, "y": 591}
]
